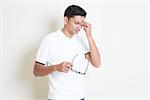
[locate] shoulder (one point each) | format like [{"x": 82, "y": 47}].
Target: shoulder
[{"x": 49, "y": 38}]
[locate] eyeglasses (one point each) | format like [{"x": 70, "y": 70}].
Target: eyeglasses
[{"x": 81, "y": 62}]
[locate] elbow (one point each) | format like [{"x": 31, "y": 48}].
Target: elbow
[
  {"x": 35, "y": 71},
  {"x": 97, "y": 65},
  {"x": 96, "y": 62}
]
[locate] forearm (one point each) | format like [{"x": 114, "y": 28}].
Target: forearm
[
  {"x": 41, "y": 70},
  {"x": 94, "y": 53}
]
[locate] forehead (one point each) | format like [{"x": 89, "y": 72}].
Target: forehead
[{"x": 78, "y": 18}]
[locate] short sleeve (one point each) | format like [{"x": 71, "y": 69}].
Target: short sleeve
[{"x": 42, "y": 55}]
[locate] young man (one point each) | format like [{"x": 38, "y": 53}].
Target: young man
[{"x": 57, "y": 54}]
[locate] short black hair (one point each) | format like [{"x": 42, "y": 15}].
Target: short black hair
[{"x": 74, "y": 10}]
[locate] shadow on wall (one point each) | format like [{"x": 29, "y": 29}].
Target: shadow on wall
[
  {"x": 54, "y": 24},
  {"x": 38, "y": 86}
]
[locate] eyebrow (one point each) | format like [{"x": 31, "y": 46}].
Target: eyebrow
[{"x": 78, "y": 21}]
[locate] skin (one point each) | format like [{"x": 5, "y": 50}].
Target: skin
[{"x": 71, "y": 27}]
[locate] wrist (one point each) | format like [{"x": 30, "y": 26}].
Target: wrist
[{"x": 56, "y": 67}]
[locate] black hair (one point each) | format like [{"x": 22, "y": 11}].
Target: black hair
[{"x": 74, "y": 10}]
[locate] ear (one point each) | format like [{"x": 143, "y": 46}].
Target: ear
[{"x": 66, "y": 20}]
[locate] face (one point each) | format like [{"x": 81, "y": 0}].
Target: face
[{"x": 74, "y": 24}]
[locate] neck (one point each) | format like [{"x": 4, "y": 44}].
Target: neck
[{"x": 66, "y": 32}]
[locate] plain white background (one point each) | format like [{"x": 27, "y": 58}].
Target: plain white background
[{"x": 120, "y": 29}]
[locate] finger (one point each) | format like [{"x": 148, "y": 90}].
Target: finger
[
  {"x": 86, "y": 27},
  {"x": 69, "y": 64},
  {"x": 69, "y": 68},
  {"x": 84, "y": 24},
  {"x": 66, "y": 70}
]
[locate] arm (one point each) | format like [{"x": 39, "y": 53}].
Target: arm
[
  {"x": 42, "y": 70},
  {"x": 94, "y": 55}
]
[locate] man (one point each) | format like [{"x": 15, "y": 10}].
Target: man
[{"x": 57, "y": 54}]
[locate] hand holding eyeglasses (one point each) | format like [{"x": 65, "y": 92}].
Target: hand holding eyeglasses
[
  {"x": 78, "y": 61},
  {"x": 64, "y": 67}
]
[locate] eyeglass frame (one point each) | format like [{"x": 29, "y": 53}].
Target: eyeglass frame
[{"x": 78, "y": 72}]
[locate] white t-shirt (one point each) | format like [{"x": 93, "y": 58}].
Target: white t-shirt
[{"x": 56, "y": 48}]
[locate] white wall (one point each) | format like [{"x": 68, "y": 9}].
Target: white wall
[{"x": 120, "y": 29}]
